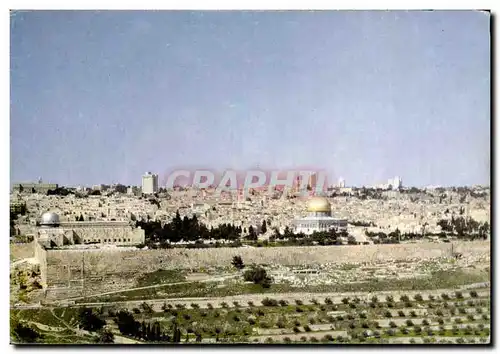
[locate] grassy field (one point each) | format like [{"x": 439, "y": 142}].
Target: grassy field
[
  {"x": 161, "y": 276},
  {"x": 438, "y": 280}
]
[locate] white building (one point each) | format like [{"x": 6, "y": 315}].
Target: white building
[
  {"x": 341, "y": 183},
  {"x": 149, "y": 183},
  {"x": 319, "y": 218}
]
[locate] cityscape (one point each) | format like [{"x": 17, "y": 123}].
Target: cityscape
[{"x": 390, "y": 244}]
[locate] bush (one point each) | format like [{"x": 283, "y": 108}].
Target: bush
[
  {"x": 408, "y": 304},
  {"x": 260, "y": 312},
  {"x": 413, "y": 314},
  {"x": 459, "y": 295},
  {"x": 250, "y": 303},
  {"x": 425, "y": 322},
  {"x": 431, "y": 297},
  {"x": 417, "y": 329},
  {"x": 418, "y": 297},
  {"x": 340, "y": 318},
  {"x": 312, "y": 320},
  {"x": 328, "y": 301},
  {"x": 280, "y": 324},
  {"x": 362, "y": 315},
  {"x": 269, "y": 302},
  {"x": 352, "y": 325},
  {"x": 393, "y": 324},
  {"x": 485, "y": 317},
  {"x": 377, "y": 324},
  {"x": 404, "y": 331},
  {"x": 296, "y": 329},
  {"x": 401, "y": 313},
  {"x": 307, "y": 328},
  {"x": 388, "y": 314},
  {"x": 389, "y": 298},
  {"x": 470, "y": 303},
  {"x": 299, "y": 302},
  {"x": 322, "y": 308},
  {"x": 251, "y": 320},
  {"x": 303, "y": 339},
  {"x": 236, "y": 303},
  {"x": 462, "y": 311},
  {"x": 458, "y": 320},
  {"x": 195, "y": 306},
  {"x": 345, "y": 300},
  {"x": 210, "y": 306},
  {"x": 439, "y": 313},
  {"x": 314, "y": 301},
  {"x": 257, "y": 275},
  {"x": 299, "y": 309},
  {"x": 390, "y": 332},
  {"x": 445, "y": 296},
  {"x": 365, "y": 325},
  {"x": 412, "y": 341},
  {"x": 314, "y": 340},
  {"x": 479, "y": 310},
  {"x": 283, "y": 303},
  {"x": 224, "y": 305},
  {"x": 374, "y": 298},
  {"x": 467, "y": 330},
  {"x": 409, "y": 323},
  {"x": 269, "y": 340},
  {"x": 352, "y": 305},
  {"x": 429, "y": 331},
  {"x": 440, "y": 321},
  {"x": 473, "y": 293},
  {"x": 328, "y": 338},
  {"x": 187, "y": 317},
  {"x": 442, "y": 331},
  {"x": 404, "y": 298}
]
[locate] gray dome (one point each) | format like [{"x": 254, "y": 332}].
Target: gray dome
[{"x": 49, "y": 219}]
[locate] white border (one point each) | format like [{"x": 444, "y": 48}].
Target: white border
[{"x": 199, "y": 5}]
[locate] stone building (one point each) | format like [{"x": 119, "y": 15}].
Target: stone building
[{"x": 54, "y": 233}]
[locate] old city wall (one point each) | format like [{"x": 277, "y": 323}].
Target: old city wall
[{"x": 76, "y": 272}]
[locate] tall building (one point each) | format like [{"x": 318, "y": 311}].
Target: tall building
[
  {"x": 341, "y": 183},
  {"x": 149, "y": 183}
]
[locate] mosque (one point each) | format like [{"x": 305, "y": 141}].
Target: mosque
[
  {"x": 54, "y": 233},
  {"x": 319, "y": 218}
]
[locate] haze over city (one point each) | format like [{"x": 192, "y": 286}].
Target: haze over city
[{"x": 101, "y": 97}]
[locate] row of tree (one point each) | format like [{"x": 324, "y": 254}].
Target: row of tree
[
  {"x": 186, "y": 229},
  {"x": 465, "y": 228}
]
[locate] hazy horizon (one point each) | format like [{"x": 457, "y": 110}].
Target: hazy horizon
[{"x": 103, "y": 96}]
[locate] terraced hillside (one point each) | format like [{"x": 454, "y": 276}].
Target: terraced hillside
[{"x": 383, "y": 317}]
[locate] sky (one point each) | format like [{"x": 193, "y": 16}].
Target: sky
[{"x": 104, "y": 96}]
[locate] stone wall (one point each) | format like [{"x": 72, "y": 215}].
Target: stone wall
[{"x": 100, "y": 270}]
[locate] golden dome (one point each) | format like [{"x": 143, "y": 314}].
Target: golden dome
[{"x": 318, "y": 204}]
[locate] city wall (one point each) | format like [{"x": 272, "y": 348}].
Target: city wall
[{"x": 93, "y": 271}]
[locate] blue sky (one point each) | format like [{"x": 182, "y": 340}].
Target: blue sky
[{"x": 102, "y": 97}]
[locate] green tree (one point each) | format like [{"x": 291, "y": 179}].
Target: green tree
[
  {"x": 105, "y": 336},
  {"x": 90, "y": 321},
  {"x": 258, "y": 275},
  {"x": 21, "y": 333},
  {"x": 237, "y": 262},
  {"x": 263, "y": 228}
]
